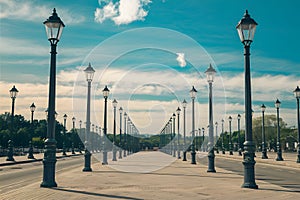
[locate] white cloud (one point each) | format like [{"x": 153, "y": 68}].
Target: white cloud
[
  {"x": 31, "y": 11},
  {"x": 181, "y": 59},
  {"x": 122, "y": 12}
]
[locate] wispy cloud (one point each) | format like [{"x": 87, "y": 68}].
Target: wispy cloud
[
  {"x": 32, "y": 11},
  {"x": 122, "y": 12},
  {"x": 181, "y": 59}
]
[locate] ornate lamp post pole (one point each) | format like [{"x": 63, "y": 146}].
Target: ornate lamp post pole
[
  {"x": 178, "y": 129},
  {"x": 184, "y": 103},
  {"x": 30, "y": 151},
  {"x": 105, "y": 95},
  {"x": 173, "y": 140},
  {"x": 263, "y": 143},
  {"x": 89, "y": 74},
  {"x": 54, "y": 27},
  {"x": 125, "y": 134},
  {"x": 223, "y": 148},
  {"x": 239, "y": 134},
  {"x": 193, "y": 93},
  {"x": 297, "y": 95},
  {"x": 72, "y": 144},
  {"x": 115, "y": 103},
  {"x": 120, "y": 144},
  {"x": 230, "y": 139},
  {"x": 210, "y": 75},
  {"x": 246, "y": 30},
  {"x": 64, "y": 138},
  {"x": 279, "y": 151},
  {"x": 217, "y": 137}
]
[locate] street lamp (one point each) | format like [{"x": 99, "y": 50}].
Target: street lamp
[
  {"x": 115, "y": 103},
  {"x": 89, "y": 74},
  {"x": 120, "y": 144},
  {"x": 72, "y": 144},
  {"x": 54, "y": 27},
  {"x": 217, "y": 137},
  {"x": 173, "y": 140},
  {"x": 80, "y": 136},
  {"x": 297, "y": 95},
  {"x": 64, "y": 138},
  {"x": 210, "y": 75},
  {"x": 184, "y": 103},
  {"x": 263, "y": 136},
  {"x": 178, "y": 128},
  {"x": 30, "y": 151},
  {"x": 279, "y": 152},
  {"x": 13, "y": 94},
  {"x": 203, "y": 138},
  {"x": 125, "y": 134},
  {"x": 239, "y": 134},
  {"x": 230, "y": 139},
  {"x": 105, "y": 95},
  {"x": 223, "y": 148},
  {"x": 246, "y": 30},
  {"x": 193, "y": 93}
]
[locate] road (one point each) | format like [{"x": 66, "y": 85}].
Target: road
[
  {"x": 282, "y": 176},
  {"x": 16, "y": 176}
]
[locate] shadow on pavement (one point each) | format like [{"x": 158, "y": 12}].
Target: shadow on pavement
[{"x": 95, "y": 194}]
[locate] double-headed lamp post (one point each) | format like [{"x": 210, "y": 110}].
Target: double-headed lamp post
[
  {"x": 246, "y": 30},
  {"x": 178, "y": 129},
  {"x": 105, "y": 95},
  {"x": 239, "y": 134},
  {"x": 297, "y": 95},
  {"x": 278, "y": 144},
  {"x": 210, "y": 75},
  {"x": 115, "y": 103},
  {"x": 30, "y": 151},
  {"x": 193, "y": 93},
  {"x": 89, "y": 74},
  {"x": 184, "y": 103},
  {"x": 120, "y": 144},
  {"x": 263, "y": 136},
  {"x": 54, "y": 27}
]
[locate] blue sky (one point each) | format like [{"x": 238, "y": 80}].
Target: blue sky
[{"x": 135, "y": 48}]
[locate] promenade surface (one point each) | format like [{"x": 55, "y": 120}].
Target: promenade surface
[{"x": 151, "y": 175}]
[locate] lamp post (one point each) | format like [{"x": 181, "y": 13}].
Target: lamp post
[
  {"x": 115, "y": 103},
  {"x": 73, "y": 121},
  {"x": 173, "y": 140},
  {"x": 178, "y": 129},
  {"x": 30, "y": 151},
  {"x": 54, "y": 27},
  {"x": 246, "y": 30},
  {"x": 297, "y": 95},
  {"x": 263, "y": 136},
  {"x": 210, "y": 75},
  {"x": 239, "y": 134},
  {"x": 125, "y": 134},
  {"x": 223, "y": 148},
  {"x": 230, "y": 139},
  {"x": 217, "y": 137},
  {"x": 105, "y": 95},
  {"x": 89, "y": 74},
  {"x": 193, "y": 93},
  {"x": 80, "y": 136},
  {"x": 278, "y": 144},
  {"x": 184, "y": 103},
  {"x": 64, "y": 138},
  {"x": 120, "y": 144}
]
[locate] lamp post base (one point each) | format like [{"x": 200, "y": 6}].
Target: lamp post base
[
  {"x": 87, "y": 161},
  {"x": 264, "y": 155},
  {"x": 193, "y": 155},
  {"x": 104, "y": 161},
  {"x": 114, "y": 155},
  {"x": 279, "y": 154},
  {"x": 49, "y": 162},
  {"x": 120, "y": 154},
  {"x": 211, "y": 161},
  {"x": 249, "y": 162},
  {"x": 184, "y": 156}
]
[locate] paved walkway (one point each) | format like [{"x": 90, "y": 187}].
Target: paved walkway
[{"x": 176, "y": 180}]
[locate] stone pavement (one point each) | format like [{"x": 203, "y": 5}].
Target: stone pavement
[{"x": 149, "y": 175}]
